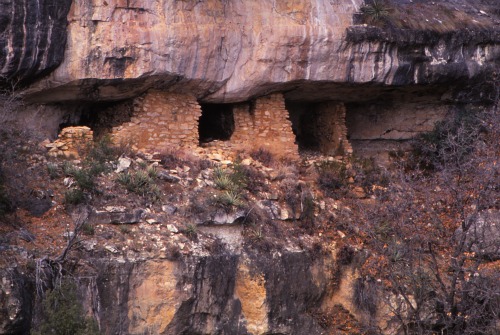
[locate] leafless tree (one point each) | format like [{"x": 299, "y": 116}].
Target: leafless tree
[
  {"x": 49, "y": 271},
  {"x": 434, "y": 238}
]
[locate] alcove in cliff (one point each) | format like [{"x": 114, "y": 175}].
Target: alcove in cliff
[
  {"x": 319, "y": 126},
  {"x": 216, "y": 122},
  {"x": 100, "y": 117}
]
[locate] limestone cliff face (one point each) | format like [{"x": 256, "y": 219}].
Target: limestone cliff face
[
  {"x": 32, "y": 37},
  {"x": 222, "y": 293},
  {"x": 226, "y": 51}
]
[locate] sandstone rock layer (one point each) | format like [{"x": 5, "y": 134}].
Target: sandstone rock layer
[{"x": 228, "y": 51}]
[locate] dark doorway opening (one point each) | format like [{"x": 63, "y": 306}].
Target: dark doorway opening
[
  {"x": 216, "y": 122},
  {"x": 100, "y": 117},
  {"x": 304, "y": 118}
]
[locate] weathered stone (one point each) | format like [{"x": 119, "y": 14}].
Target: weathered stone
[
  {"x": 172, "y": 228},
  {"x": 222, "y": 217},
  {"x": 105, "y": 217},
  {"x": 123, "y": 164},
  {"x": 165, "y": 176},
  {"x": 484, "y": 235},
  {"x": 169, "y": 209},
  {"x": 115, "y": 209}
]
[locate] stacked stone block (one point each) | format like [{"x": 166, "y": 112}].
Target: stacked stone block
[
  {"x": 266, "y": 125},
  {"x": 160, "y": 121},
  {"x": 71, "y": 142},
  {"x": 331, "y": 129}
]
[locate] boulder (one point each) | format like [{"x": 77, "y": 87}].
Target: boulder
[{"x": 116, "y": 217}]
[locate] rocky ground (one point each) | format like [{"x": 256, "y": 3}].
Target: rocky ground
[{"x": 165, "y": 206}]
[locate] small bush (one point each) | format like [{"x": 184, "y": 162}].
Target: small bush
[
  {"x": 222, "y": 180},
  {"x": 176, "y": 158},
  {"x": 450, "y": 142},
  {"x": 140, "y": 182},
  {"x": 53, "y": 170},
  {"x": 103, "y": 152},
  {"x": 229, "y": 199},
  {"x": 64, "y": 314},
  {"x": 88, "y": 229},
  {"x": 375, "y": 12},
  {"x": 256, "y": 234},
  {"x": 263, "y": 155},
  {"x": 74, "y": 197},
  {"x": 369, "y": 174},
  {"x": 234, "y": 179},
  {"x": 333, "y": 179},
  {"x": 85, "y": 179},
  {"x": 191, "y": 231},
  {"x": 125, "y": 229},
  {"x": 254, "y": 180}
]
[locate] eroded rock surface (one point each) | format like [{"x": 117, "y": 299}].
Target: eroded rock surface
[
  {"x": 232, "y": 51},
  {"x": 32, "y": 37},
  {"x": 223, "y": 293}
]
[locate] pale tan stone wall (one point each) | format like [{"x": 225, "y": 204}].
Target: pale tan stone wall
[
  {"x": 331, "y": 129},
  {"x": 71, "y": 142},
  {"x": 266, "y": 125},
  {"x": 160, "y": 121},
  {"x": 164, "y": 120}
]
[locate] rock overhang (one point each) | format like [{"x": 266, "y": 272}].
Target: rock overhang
[{"x": 232, "y": 52}]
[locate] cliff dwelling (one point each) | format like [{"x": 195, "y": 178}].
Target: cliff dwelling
[
  {"x": 320, "y": 127},
  {"x": 216, "y": 122}
]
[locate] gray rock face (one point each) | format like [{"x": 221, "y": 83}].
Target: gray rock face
[
  {"x": 16, "y": 299},
  {"x": 484, "y": 235},
  {"x": 32, "y": 37}
]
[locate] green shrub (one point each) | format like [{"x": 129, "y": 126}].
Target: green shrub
[
  {"x": 234, "y": 179},
  {"x": 74, "y": 197},
  {"x": 222, "y": 179},
  {"x": 88, "y": 229},
  {"x": 229, "y": 199},
  {"x": 64, "y": 314},
  {"x": 103, "y": 152},
  {"x": 141, "y": 182},
  {"x": 191, "y": 231},
  {"x": 53, "y": 170},
  {"x": 376, "y": 11}
]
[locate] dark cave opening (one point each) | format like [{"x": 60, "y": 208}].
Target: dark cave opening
[
  {"x": 216, "y": 122},
  {"x": 100, "y": 117},
  {"x": 304, "y": 123}
]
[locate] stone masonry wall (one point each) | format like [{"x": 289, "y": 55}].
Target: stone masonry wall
[
  {"x": 266, "y": 124},
  {"x": 331, "y": 130},
  {"x": 161, "y": 120},
  {"x": 71, "y": 142}
]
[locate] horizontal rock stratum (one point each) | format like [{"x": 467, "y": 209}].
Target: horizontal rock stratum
[{"x": 228, "y": 51}]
